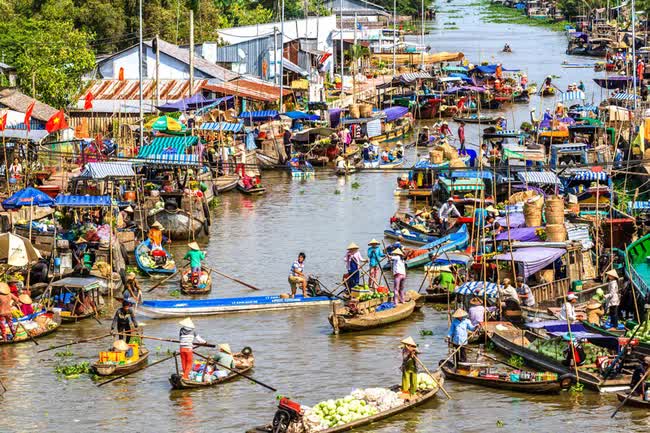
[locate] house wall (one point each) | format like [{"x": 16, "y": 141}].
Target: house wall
[{"x": 170, "y": 68}]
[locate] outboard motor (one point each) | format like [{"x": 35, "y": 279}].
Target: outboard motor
[{"x": 288, "y": 412}]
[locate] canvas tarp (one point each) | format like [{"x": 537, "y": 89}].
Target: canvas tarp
[{"x": 532, "y": 260}]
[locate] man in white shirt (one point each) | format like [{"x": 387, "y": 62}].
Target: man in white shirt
[
  {"x": 568, "y": 311},
  {"x": 446, "y": 210}
]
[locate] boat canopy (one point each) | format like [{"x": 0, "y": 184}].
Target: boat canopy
[
  {"x": 28, "y": 197},
  {"x": 521, "y": 234},
  {"x": 453, "y": 186},
  {"x": 460, "y": 69},
  {"x": 82, "y": 200},
  {"x": 478, "y": 288},
  {"x": 167, "y": 160},
  {"x": 300, "y": 115},
  {"x": 532, "y": 260},
  {"x": 229, "y": 102},
  {"x": 192, "y": 103},
  {"x": 167, "y": 145},
  {"x": 394, "y": 113},
  {"x": 76, "y": 283},
  {"x": 589, "y": 176},
  {"x": 539, "y": 177},
  {"x": 103, "y": 170},
  {"x": 222, "y": 127},
  {"x": 259, "y": 116},
  {"x": 490, "y": 69}
]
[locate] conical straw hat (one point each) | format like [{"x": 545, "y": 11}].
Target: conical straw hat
[
  {"x": 353, "y": 246},
  {"x": 408, "y": 341},
  {"x": 459, "y": 314},
  {"x": 120, "y": 345},
  {"x": 187, "y": 323}
]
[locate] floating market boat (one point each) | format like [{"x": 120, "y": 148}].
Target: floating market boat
[
  {"x": 513, "y": 341},
  {"x": 484, "y": 120},
  {"x": 160, "y": 309},
  {"x": 615, "y": 82},
  {"x": 252, "y": 190},
  {"x": 550, "y": 386},
  {"x": 638, "y": 269},
  {"x": 643, "y": 346},
  {"x": 74, "y": 298},
  {"x": 412, "y": 238},
  {"x": 290, "y": 411},
  {"x": 226, "y": 183},
  {"x": 391, "y": 164},
  {"x": 200, "y": 287},
  {"x": 300, "y": 169},
  {"x": 158, "y": 261},
  {"x": 37, "y": 325},
  {"x": 450, "y": 242},
  {"x": 634, "y": 401},
  {"x": 344, "y": 171},
  {"x": 244, "y": 362},
  {"x": 547, "y": 91},
  {"x": 438, "y": 297},
  {"x": 105, "y": 367},
  {"x": 347, "y": 318},
  {"x": 180, "y": 225}
]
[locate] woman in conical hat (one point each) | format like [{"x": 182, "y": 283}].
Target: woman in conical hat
[
  {"x": 188, "y": 338},
  {"x": 409, "y": 367},
  {"x": 458, "y": 333},
  {"x": 353, "y": 261},
  {"x": 375, "y": 256}
]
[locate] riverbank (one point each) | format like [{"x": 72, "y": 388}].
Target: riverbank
[{"x": 497, "y": 13}]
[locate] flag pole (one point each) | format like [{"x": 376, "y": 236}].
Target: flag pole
[{"x": 4, "y": 149}]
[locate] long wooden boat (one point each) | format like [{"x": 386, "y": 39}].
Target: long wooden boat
[
  {"x": 438, "y": 297},
  {"x": 484, "y": 120},
  {"x": 542, "y": 387},
  {"x": 422, "y": 398},
  {"x": 634, "y": 401},
  {"x": 54, "y": 297},
  {"x": 254, "y": 190},
  {"x": 392, "y": 164},
  {"x": 187, "y": 288},
  {"x": 56, "y": 319},
  {"x": 180, "y": 225},
  {"x": 106, "y": 369},
  {"x": 140, "y": 250},
  {"x": 450, "y": 242},
  {"x": 643, "y": 348},
  {"x": 342, "y": 321},
  {"x": 409, "y": 238},
  {"x": 160, "y": 309},
  {"x": 226, "y": 183},
  {"x": 243, "y": 364},
  {"x": 514, "y": 341}
]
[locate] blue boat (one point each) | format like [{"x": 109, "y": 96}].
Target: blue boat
[
  {"x": 300, "y": 169},
  {"x": 205, "y": 307},
  {"x": 412, "y": 238},
  {"x": 139, "y": 250},
  {"x": 451, "y": 242}
]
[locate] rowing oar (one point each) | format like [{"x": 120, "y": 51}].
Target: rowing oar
[
  {"x": 434, "y": 379},
  {"x": 236, "y": 372},
  {"x": 162, "y": 281},
  {"x": 131, "y": 372},
  {"x": 173, "y": 341},
  {"x": 85, "y": 340},
  {"x": 233, "y": 279},
  {"x": 630, "y": 393}
]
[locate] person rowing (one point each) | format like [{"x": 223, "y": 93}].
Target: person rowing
[
  {"x": 409, "y": 368},
  {"x": 196, "y": 257},
  {"x": 188, "y": 337},
  {"x": 123, "y": 319}
]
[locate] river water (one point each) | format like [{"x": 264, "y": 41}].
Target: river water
[{"x": 257, "y": 239}]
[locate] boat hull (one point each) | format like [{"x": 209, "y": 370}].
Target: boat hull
[
  {"x": 634, "y": 401},
  {"x": 177, "y": 381},
  {"x": 413, "y": 238},
  {"x": 545, "y": 387},
  {"x": 113, "y": 369},
  {"x": 342, "y": 323},
  {"x": 187, "y": 288},
  {"x": 179, "y": 225}
]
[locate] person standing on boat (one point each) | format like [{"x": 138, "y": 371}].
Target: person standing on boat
[
  {"x": 286, "y": 141},
  {"x": 195, "y": 256},
  {"x": 187, "y": 337},
  {"x": 132, "y": 289},
  {"x": 637, "y": 375},
  {"x": 156, "y": 236},
  {"x": 612, "y": 298},
  {"x": 446, "y": 211},
  {"x": 297, "y": 275},
  {"x": 568, "y": 311},
  {"x": 423, "y": 137},
  {"x": 458, "y": 334},
  {"x": 123, "y": 319},
  {"x": 525, "y": 293},
  {"x": 375, "y": 255},
  {"x": 461, "y": 136},
  {"x": 353, "y": 262},
  {"x": 446, "y": 130},
  {"x": 399, "y": 275},
  {"x": 409, "y": 368},
  {"x": 6, "y": 298},
  {"x": 524, "y": 81}
]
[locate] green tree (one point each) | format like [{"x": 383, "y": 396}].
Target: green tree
[{"x": 106, "y": 21}]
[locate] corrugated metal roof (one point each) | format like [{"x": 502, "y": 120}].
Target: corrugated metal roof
[
  {"x": 83, "y": 200},
  {"x": 102, "y": 170},
  {"x": 170, "y": 90},
  {"x": 167, "y": 145},
  {"x": 242, "y": 92},
  {"x": 222, "y": 126}
]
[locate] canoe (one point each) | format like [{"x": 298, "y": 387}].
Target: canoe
[
  {"x": 370, "y": 163},
  {"x": 179, "y": 225},
  {"x": 485, "y": 120},
  {"x": 634, "y": 401},
  {"x": 226, "y": 183},
  {"x": 450, "y": 242},
  {"x": 54, "y": 317},
  {"x": 422, "y": 397},
  {"x": 300, "y": 171},
  {"x": 255, "y": 190},
  {"x": 509, "y": 341},
  {"x": 530, "y": 387},
  {"x": 187, "y": 288},
  {"x": 342, "y": 321},
  {"x": 243, "y": 364},
  {"x": 410, "y": 238},
  {"x": 104, "y": 369},
  {"x": 204, "y": 307},
  {"x": 140, "y": 249},
  {"x": 393, "y": 164}
]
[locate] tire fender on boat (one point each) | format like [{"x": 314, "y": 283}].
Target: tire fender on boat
[
  {"x": 206, "y": 212},
  {"x": 566, "y": 381}
]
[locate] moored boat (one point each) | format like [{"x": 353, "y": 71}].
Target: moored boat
[
  {"x": 226, "y": 183},
  {"x": 484, "y": 120},
  {"x": 73, "y": 298},
  {"x": 345, "y": 319},
  {"x": 179, "y": 224},
  {"x": 634, "y": 401},
  {"x": 413, "y": 238},
  {"x": 642, "y": 347},
  {"x": 38, "y": 325},
  {"x": 152, "y": 262},
  {"x": 196, "y": 285},
  {"x": 105, "y": 367},
  {"x": 250, "y": 190},
  {"x": 244, "y": 362},
  {"x": 450, "y": 242}
]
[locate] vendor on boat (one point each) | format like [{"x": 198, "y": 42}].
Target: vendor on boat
[
  {"x": 595, "y": 312},
  {"x": 507, "y": 292},
  {"x": 353, "y": 262},
  {"x": 125, "y": 218},
  {"x": 26, "y": 304},
  {"x": 6, "y": 298},
  {"x": 574, "y": 354},
  {"x": 132, "y": 288},
  {"x": 409, "y": 368},
  {"x": 123, "y": 319},
  {"x": 612, "y": 298},
  {"x": 461, "y": 136},
  {"x": 568, "y": 311},
  {"x": 476, "y": 311},
  {"x": 297, "y": 276},
  {"x": 224, "y": 356},
  {"x": 525, "y": 293},
  {"x": 458, "y": 334},
  {"x": 399, "y": 150},
  {"x": 188, "y": 338},
  {"x": 446, "y": 130},
  {"x": 423, "y": 137},
  {"x": 156, "y": 235},
  {"x": 446, "y": 211},
  {"x": 375, "y": 256},
  {"x": 399, "y": 275},
  {"x": 195, "y": 256},
  {"x": 638, "y": 375}
]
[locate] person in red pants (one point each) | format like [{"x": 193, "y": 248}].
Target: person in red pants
[
  {"x": 188, "y": 337},
  {"x": 6, "y": 299}
]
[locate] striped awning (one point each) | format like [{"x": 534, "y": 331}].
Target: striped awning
[
  {"x": 222, "y": 126},
  {"x": 82, "y": 200},
  {"x": 257, "y": 116},
  {"x": 572, "y": 95},
  {"x": 539, "y": 177},
  {"x": 478, "y": 288},
  {"x": 171, "y": 159},
  {"x": 102, "y": 170},
  {"x": 412, "y": 76},
  {"x": 590, "y": 176},
  {"x": 625, "y": 97},
  {"x": 453, "y": 186},
  {"x": 580, "y": 233},
  {"x": 167, "y": 145}
]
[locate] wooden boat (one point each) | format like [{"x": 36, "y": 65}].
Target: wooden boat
[
  {"x": 530, "y": 387},
  {"x": 438, "y": 297},
  {"x": 244, "y": 362},
  {"x": 643, "y": 348},
  {"x": 547, "y": 91},
  {"x": 187, "y": 288},
  {"x": 342, "y": 320},
  {"x": 485, "y": 120},
  {"x": 634, "y": 401},
  {"x": 56, "y": 319},
  {"x": 107, "y": 369},
  {"x": 64, "y": 296},
  {"x": 142, "y": 249},
  {"x": 226, "y": 183},
  {"x": 298, "y": 170},
  {"x": 254, "y": 190},
  {"x": 638, "y": 269},
  {"x": 204, "y": 307},
  {"x": 450, "y": 242},
  {"x": 179, "y": 224},
  {"x": 265, "y": 161},
  {"x": 513, "y": 341},
  {"x": 409, "y": 238},
  {"x": 422, "y": 398}
]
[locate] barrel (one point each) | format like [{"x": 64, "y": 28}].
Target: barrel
[
  {"x": 555, "y": 233},
  {"x": 533, "y": 213},
  {"x": 554, "y": 210},
  {"x": 365, "y": 110},
  {"x": 354, "y": 111}
]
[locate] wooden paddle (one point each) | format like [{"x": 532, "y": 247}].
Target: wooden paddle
[
  {"x": 630, "y": 393},
  {"x": 233, "y": 279},
  {"x": 162, "y": 281},
  {"x": 74, "y": 342},
  {"x": 236, "y": 372},
  {"x": 434, "y": 379},
  {"x": 169, "y": 340},
  {"x": 130, "y": 373}
]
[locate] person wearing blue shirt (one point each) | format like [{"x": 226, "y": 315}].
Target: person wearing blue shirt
[
  {"x": 375, "y": 255},
  {"x": 458, "y": 334}
]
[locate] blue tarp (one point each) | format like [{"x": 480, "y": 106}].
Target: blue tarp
[
  {"x": 491, "y": 69},
  {"x": 394, "y": 113},
  {"x": 295, "y": 115},
  {"x": 28, "y": 197},
  {"x": 83, "y": 200},
  {"x": 222, "y": 126},
  {"x": 215, "y": 104},
  {"x": 259, "y": 116}
]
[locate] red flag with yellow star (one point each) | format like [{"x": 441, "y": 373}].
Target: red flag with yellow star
[
  {"x": 3, "y": 121},
  {"x": 56, "y": 122}
]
